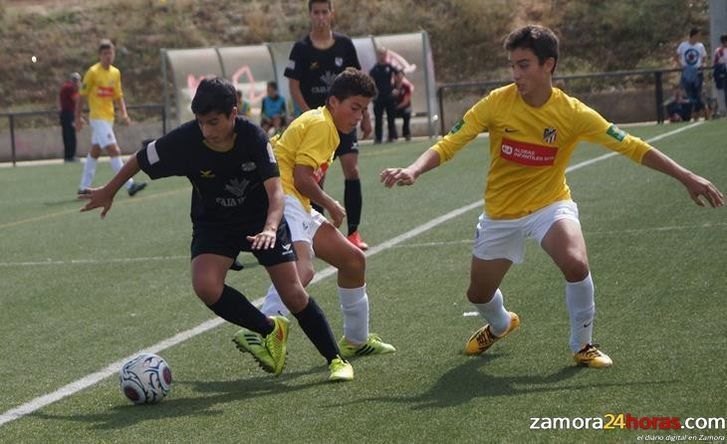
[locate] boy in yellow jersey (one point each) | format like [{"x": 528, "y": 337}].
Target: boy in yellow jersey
[
  {"x": 102, "y": 87},
  {"x": 534, "y": 129},
  {"x": 304, "y": 152}
]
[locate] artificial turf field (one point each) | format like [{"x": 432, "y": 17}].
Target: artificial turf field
[{"x": 78, "y": 293}]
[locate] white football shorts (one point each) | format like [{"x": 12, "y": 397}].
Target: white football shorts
[
  {"x": 505, "y": 238},
  {"x": 102, "y": 133},
  {"x": 303, "y": 225}
]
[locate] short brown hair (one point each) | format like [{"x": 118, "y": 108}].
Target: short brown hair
[
  {"x": 539, "y": 39},
  {"x": 352, "y": 82},
  {"x": 105, "y": 44},
  {"x": 328, "y": 2}
]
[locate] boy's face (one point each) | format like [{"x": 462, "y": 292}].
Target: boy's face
[
  {"x": 381, "y": 57},
  {"x": 272, "y": 92},
  {"x": 348, "y": 113},
  {"x": 217, "y": 127},
  {"x": 321, "y": 16},
  {"x": 528, "y": 74},
  {"x": 107, "y": 56}
]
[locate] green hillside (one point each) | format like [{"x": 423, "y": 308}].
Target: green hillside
[{"x": 466, "y": 35}]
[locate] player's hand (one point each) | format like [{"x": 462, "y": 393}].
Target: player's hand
[
  {"x": 699, "y": 187},
  {"x": 264, "y": 240},
  {"x": 97, "y": 198},
  {"x": 397, "y": 176},
  {"x": 337, "y": 213},
  {"x": 126, "y": 120},
  {"x": 78, "y": 124}
]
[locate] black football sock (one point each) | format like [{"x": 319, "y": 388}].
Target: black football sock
[
  {"x": 315, "y": 325},
  {"x": 234, "y": 307},
  {"x": 353, "y": 201}
]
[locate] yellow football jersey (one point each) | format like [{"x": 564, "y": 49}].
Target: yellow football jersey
[
  {"x": 310, "y": 140},
  {"x": 101, "y": 87},
  {"x": 530, "y": 147}
]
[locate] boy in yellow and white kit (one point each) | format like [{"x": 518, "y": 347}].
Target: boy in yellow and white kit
[
  {"x": 102, "y": 87},
  {"x": 304, "y": 151},
  {"x": 533, "y": 131}
]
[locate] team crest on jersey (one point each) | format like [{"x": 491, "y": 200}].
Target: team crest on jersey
[
  {"x": 248, "y": 166},
  {"x": 207, "y": 174},
  {"x": 338, "y": 61},
  {"x": 314, "y": 65},
  {"x": 549, "y": 135}
]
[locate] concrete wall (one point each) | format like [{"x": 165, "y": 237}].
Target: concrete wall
[{"x": 47, "y": 143}]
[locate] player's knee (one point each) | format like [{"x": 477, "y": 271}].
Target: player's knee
[
  {"x": 305, "y": 273},
  {"x": 575, "y": 269},
  {"x": 208, "y": 290},
  {"x": 354, "y": 263},
  {"x": 113, "y": 150},
  {"x": 351, "y": 173}
]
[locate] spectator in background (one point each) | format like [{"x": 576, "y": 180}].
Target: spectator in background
[
  {"x": 402, "y": 97},
  {"x": 720, "y": 74},
  {"x": 273, "y": 115},
  {"x": 68, "y": 99},
  {"x": 243, "y": 106},
  {"x": 678, "y": 107},
  {"x": 383, "y": 74},
  {"x": 691, "y": 56}
]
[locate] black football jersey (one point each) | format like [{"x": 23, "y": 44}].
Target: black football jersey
[
  {"x": 227, "y": 185},
  {"x": 315, "y": 69}
]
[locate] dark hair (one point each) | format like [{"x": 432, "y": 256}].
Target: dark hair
[
  {"x": 541, "y": 40},
  {"x": 273, "y": 84},
  {"x": 693, "y": 32},
  {"x": 352, "y": 82},
  {"x": 105, "y": 44},
  {"x": 328, "y": 2},
  {"x": 723, "y": 38},
  {"x": 214, "y": 94}
]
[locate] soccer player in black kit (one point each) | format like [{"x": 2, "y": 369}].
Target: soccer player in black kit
[
  {"x": 314, "y": 62},
  {"x": 237, "y": 205}
]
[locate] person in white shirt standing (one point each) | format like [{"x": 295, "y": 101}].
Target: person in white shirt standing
[{"x": 691, "y": 56}]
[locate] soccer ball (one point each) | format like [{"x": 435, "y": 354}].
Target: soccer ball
[{"x": 145, "y": 379}]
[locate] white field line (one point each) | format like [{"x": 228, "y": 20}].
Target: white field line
[
  {"x": 92, "y": 379},
  {"x": 118, "y": 260}
]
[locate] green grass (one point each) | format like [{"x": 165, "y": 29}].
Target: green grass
[{"x": 658, "y": 262}]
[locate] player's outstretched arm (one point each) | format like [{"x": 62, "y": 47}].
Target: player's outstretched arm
[
  {"x": 266, "y": 238},
  {"x": 103, "y": 197},
  {"x": 697, "y": 186},
  {"x": 407, "y": 176}
]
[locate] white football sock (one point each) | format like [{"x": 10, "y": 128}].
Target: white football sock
[
  {"x": 89, "y": 170},
  {"x": 273, "y": 305},
  {"x": 355, "y": 308},
  {"x": 495, "y": 314},
  {"x": 116, "y": 165},
  {"x": 581, "y": 310}
]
